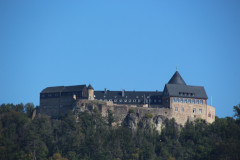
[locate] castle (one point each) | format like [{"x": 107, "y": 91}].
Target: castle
[{"x": 178, "y": 100}]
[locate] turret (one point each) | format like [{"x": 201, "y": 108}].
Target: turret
[{"x": 90, "y": 92}]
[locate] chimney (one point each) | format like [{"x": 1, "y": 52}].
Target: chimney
[
  {"x": 123, "y": 92},
  {"x": 105, "y": 90}
]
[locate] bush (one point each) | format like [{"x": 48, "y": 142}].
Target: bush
[
  {"x": 131, "y": 111},
  {"x": 148, "y": 115}
]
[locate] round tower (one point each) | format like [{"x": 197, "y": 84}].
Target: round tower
[{"x": 90, "y": 92}]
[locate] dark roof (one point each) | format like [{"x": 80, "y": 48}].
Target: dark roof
[
  {"x": 176, "y": 79},
  {"x": 90, "y": 86},
  {"x": 63, "y": 89},
  {"x": 73, "y": 88},
  {"x": 127, "y": 94},
  {"x": 53, "y": 89},
  {"x": 176, "y": 90}
]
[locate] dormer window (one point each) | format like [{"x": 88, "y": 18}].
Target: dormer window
[
  {"x": 134, "y": 100},
  {"x": 136, "y": 96},
  {"x": 120, "y": 100},
  {"x": 129, "y": 100}
]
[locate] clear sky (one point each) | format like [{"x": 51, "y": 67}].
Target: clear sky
[{"x": 120, "y": 44}]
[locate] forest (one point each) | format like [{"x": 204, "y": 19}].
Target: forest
[{"x": 93, "y": 137}]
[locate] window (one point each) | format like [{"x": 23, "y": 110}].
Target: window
[
  {"x": 197, "y": 101},
  {"x": 181, "y": 100},
  {"x": 137, "y": 97},
  {"x": 176, "y": 109},
  {"x": 125, "y": 100},
  {"x": 201, "y": 101},
  {"x": 189, "y": 100},
  {"x": 182, "y": 109},
  {"x": 110, "y": 100},
  {"x": 193, "y": 101},
  {"x": 209, "y": 114},
  {"x": 173, "y": 99},
  {"x": 120, "y": 100},
  {"x": 185, "y": 100},
  {"x": 129, "y": 100},
  {"x": 200, "y": 111},
  {"x": 177, "y": 99},
  {"x": 139, "y": 100},
  {"x": 205, "y": 101},
  {"x": 155, "y": 100},
  {"x": 194, "y": 110},
  {"x": 159, "y": 100},
  {"x": 134, "y": 100},
  {"x": 146, "y": 101}
]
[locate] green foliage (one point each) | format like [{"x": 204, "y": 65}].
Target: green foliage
[
  {"x": 131, "y": 111},
  {"x": 148, "y": 115},
  {"x": 92, "y": 137}
]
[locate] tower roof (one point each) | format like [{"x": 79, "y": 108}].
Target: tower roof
[
  {"x": 176, "y": 79},
  {"x": 90, "y": 86}
]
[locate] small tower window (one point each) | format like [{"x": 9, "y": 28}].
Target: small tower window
[
  {"x": 201, "y": 101},
  {"x": 197, "y": 101},
  {"x": 181, "y": 100},
  {"x": 189, "y": 100},
  {"x": 176, "y": 109},
  {"x": 185, "y": 100},
  {"x": 193, "y": 101},
  {"x": 182, "y": 109},
  {"x": 177, "y": 99},
  {"x": 173, "y": 99},
  {"x": 194, "y": 110}
]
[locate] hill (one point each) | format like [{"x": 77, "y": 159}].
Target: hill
[{"x": 94, "y": 137}]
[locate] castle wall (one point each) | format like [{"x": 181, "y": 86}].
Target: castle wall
[
  {"x": 121, "y": 111},
  {"x": 55, "y": 107},
  {"x": 182, "y": 111}
]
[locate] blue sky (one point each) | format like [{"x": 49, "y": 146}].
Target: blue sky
[{"x": 131, "y": 45}]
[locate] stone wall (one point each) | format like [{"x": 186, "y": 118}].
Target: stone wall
[{"x": 182, "y": 111}]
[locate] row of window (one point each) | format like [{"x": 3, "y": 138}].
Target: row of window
[
  {"x": 194, "y": 110},
  {"x": 132, "y": 100},
  {"x": 136, "y": 97},
  {"x": 188, "y": 100},
  {"x": 58, "y": 94},
  {"x": 186, "y": 94}
]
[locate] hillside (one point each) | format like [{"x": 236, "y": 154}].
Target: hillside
[{"x": 94, "y": 137}]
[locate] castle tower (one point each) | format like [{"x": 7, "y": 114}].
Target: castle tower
[{"x": 90, "y": 92}]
